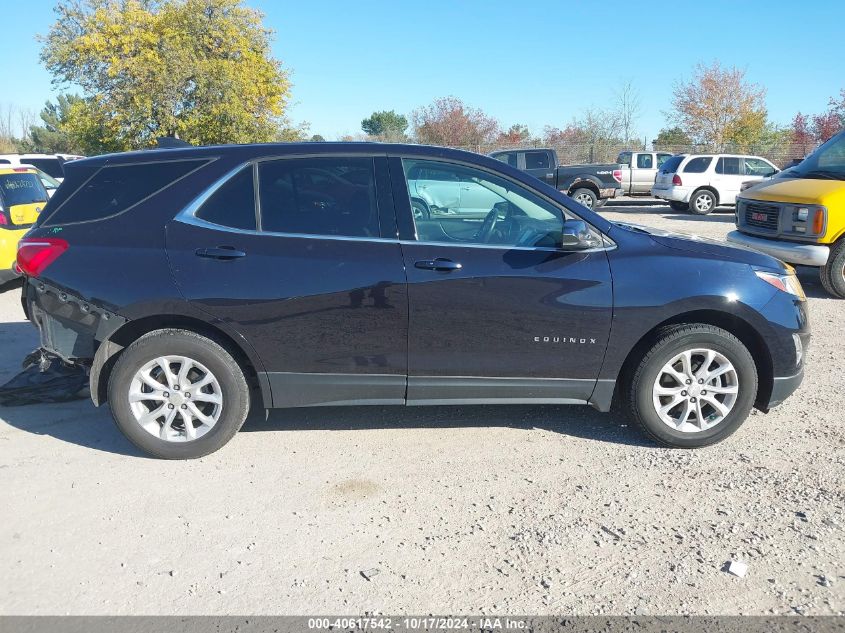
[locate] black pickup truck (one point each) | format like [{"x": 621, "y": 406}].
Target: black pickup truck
[{"x": 591, "y": 185}]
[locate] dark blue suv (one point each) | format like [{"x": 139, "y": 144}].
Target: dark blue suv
[{"x": 197, "y": 282}]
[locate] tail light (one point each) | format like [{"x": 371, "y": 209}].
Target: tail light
[
  {"x": 676, "y": 180},
  {"x": 4, "y": 218},
  {"x": 617, "y": 175},
  {"x": 36, "y": 253}
]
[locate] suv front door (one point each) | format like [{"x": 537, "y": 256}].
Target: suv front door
[
  {"x": 498, "y": 311},
  {"x": 313, "y": 282}
]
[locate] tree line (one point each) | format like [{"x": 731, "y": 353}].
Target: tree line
[{"x": 202, "y": 70}]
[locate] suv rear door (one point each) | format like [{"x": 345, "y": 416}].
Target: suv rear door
[
  {"x": 311, "y": 276},
  {"x": 727, "y": 178},
  {"x": 509, "y": 317}
]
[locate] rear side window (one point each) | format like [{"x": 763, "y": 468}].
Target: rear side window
[
  {"x": 728, "y": 166},
  {"x": 537, "y": 160},
  {"x": 233, "y": 204},
  {"x": 50, "y": 166},
  {"x": 645, "y": 161},
  {"x": 21, "y": 189},
  {"x": 696, "y": 165},
  {"x": 671, "y": 165},
  {"x": 115, "y": 189},
  {"x": 320, "y": 196}
]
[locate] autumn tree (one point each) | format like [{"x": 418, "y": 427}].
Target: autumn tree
[
  {"x": 197, "y": 69},
  {"x": 719, "y": 106},
  {"x": 826, "y": 125},
  {"x": 516, "y": 134},
  {"x": 448, "y": 121},
  {"x": 386, "y": 125}
]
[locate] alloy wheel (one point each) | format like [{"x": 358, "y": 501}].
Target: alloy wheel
[
  {"x": 175, "y": 398},
  {"x": 704, "y": 203},
  {"x": 695, "y": 390}
]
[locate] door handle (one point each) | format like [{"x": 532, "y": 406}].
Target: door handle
[
  {"x": 221, "y": 252},
  {"x": 441, "y": 264}
]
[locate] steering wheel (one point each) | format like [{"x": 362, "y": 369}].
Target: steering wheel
[{"x": 486, "y": 231}]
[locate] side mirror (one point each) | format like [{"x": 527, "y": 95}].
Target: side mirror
[{"x": 576, "y": 234}]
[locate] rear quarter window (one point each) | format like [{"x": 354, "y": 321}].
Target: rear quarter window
[
  {"x": 697, "y": 165},
  {"x": 671, "y": 164},
  {"x": 115, "y": 189}
]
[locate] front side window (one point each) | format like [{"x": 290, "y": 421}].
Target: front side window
[
  {"x": 728, "y": 165},
  {"x": 537, "y": 160},
  {"x": 645, "y": 161},
  {"x": 508, "y": 157},
  {"x": 624, "y": 159},
  {"x": 233, "y": 204},
  {"x": 320, "y": 196},
  {"x": 698, "y": 165},
  {"x": 491, "y": 210},
  {"x": 758, "y": 167}
]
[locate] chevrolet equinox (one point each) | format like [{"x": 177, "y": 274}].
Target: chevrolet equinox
[{"x": 194, "y": 283}]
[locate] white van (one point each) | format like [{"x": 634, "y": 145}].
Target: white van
[
  {"x": 50, "y": 164},
  {"x": 701, "y": 182}
]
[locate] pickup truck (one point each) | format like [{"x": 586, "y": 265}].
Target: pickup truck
[
  {"x": 590, "y": 185},
  {"x": 639, "y": 170}
]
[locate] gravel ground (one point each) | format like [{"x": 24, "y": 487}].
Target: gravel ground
[{"x": 529, "y": 510}]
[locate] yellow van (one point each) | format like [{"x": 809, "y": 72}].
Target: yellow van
[
  {"x": 799, "y": 215},
  {"x": 22, "y": 196}
]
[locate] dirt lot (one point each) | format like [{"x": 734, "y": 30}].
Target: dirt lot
[{"x": 515, "y": 509}]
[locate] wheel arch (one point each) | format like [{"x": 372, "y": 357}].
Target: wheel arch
[
  {"x": 737, "y": 326},
  {"x": 110, "y": 349},
  {"x": 582, "y": 183},
  {"x": 709, "y": 188}
]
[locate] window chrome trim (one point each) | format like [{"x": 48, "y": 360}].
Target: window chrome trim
[{"x": 188, "y": 216}]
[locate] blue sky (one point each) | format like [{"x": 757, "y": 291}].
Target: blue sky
[{"x": 527, "y": 62}]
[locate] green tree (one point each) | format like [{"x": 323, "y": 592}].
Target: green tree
[
  {"x": 317, "y": 138},
  {"x": 386, "y": 124},
  {"x": 671, "y": 137},
  {"x": 197, "y": 69},
  {"x": 53, "y": 136}
]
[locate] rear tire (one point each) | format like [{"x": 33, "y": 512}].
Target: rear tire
[
  {"x": 198, "y": 383},
  {"x": 679, "y": 206},
  {"x": 704, "y": 422},
  {"x": 703, "y": 202},
  {"x": 832, "y": 274},
  {"x": 420, "y": 210},
  {"x": 584, "y": 196}
]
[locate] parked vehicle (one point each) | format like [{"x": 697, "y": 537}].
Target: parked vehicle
[
  {"x": 48, "y": 163},
  {"x": 589, "y": 185},
  {"x": 639, "y": 169},
  {"x": 22, "y": 196},
  {"x": 701, "y": 182},
  {"x": 50, "y": 183},
  {"x": 436, "y": 191},
  {"x": 194, "y": 282},
  {"x": 799, "y": 216}
]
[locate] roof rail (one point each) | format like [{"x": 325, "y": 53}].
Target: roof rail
[{"x": 171, "y": 142}]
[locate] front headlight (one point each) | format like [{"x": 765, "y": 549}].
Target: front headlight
[
  {"x": 805, "y": 219},
  {"x": 787, "y": 282}
]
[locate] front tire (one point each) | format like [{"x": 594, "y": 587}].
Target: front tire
[
  {"x": 703, "y": 202},
  {"x": 178, "y": 395},
  {"x": 832, "y": 274},
  {"x": 694, "y": 387},
  {"x": 584, "y": 196}
]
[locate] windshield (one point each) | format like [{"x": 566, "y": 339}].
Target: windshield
[
  {"x": 21, "y": 189},
  {"x": 826, "y": 163}
]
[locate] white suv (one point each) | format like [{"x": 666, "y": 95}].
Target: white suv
[{"x": 701, "y": 182}]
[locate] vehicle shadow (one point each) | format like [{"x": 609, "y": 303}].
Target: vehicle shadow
[
  {"x": 577, "y": 421},
  {"x": 15, "y": 284}
]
